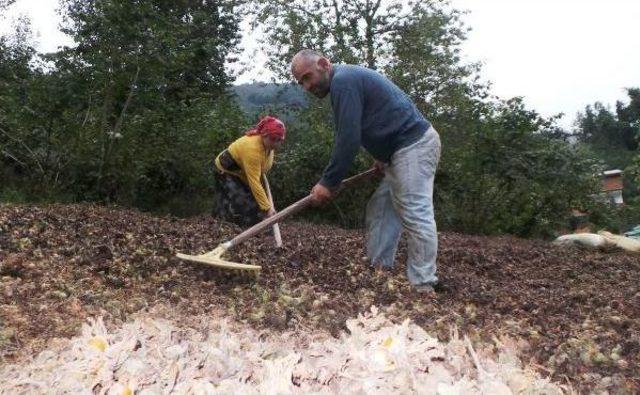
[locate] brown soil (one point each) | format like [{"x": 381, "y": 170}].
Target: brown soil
[{"x": 577, "y": 313}]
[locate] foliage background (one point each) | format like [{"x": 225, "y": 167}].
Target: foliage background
[{"x": 134, "y": 112}]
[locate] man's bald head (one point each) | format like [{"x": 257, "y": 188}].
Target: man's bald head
[
  {"x": 313, "y": 71},
  {"x": 305, "y": 56}
]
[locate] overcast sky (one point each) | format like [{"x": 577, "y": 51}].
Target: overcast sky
[{"x": 560, "y": 55}]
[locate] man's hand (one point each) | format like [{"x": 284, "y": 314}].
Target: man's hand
[
  {"x": 379, "y": 166},
  {"x": 321, "y": 195}
]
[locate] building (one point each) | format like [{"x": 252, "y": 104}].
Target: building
[{"x": 612, "y": 186}]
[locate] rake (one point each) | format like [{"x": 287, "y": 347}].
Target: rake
[{"x": 214, "y": 258}]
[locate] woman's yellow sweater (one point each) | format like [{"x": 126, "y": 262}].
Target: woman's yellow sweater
[{"x": 254, "y": 160}]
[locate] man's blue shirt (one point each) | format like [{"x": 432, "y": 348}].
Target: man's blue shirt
[{"x": 371, "y": 111}]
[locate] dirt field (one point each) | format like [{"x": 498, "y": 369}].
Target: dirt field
[{"x": 576, "y": 313}]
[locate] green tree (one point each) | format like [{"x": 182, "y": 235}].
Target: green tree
[
  {"x": 350, "y": 31},
  {"x": 510, "y": 177},
  {"x": 136, "y": 108},
  {"x": 612, "y": 136},
  {"x": 629, "y": 118},
  {"x": 604, "y": 129},
  {"x": 160, "y": 66},
  {"x": 19, "y": 140},
  {"x": 4, "y": 4},
  {"x": 426, "y": 62}
]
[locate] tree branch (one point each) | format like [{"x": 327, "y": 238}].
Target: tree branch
[
  {"x": 11, "y": 156},
  {"x": 118, "y": 124},
  {"x": 86, "y": 117},
  {"x": 29, "y": 150}
]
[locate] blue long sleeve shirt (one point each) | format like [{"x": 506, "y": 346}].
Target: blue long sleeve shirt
[{"x": 372, "y": 112}]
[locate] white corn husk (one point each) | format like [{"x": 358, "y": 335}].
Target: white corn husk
[
  {"x": 588, "y": 240},
  {"x": 626, "y": 243},
  {"x": 151, "y": 356},
  {"x": 601, "y": 240}
]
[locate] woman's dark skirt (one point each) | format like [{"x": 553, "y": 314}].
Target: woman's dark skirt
[{"x": 234, "y": 201}]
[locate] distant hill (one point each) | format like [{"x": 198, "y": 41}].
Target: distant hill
[{"x": 259, "y": 96}]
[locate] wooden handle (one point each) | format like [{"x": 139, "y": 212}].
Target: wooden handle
[
  {"x": 294, "y": 208},
  {"x": 257, "y": 228},
  {"x": 356, "y": 179},
  {"x": 276, "y": 228}
]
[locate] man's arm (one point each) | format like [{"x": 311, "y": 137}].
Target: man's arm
[{"x": 347, "y": 109}]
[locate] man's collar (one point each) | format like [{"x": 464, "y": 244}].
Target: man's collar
[{"x": 331, "y": 73}]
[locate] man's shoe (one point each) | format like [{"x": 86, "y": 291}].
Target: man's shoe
[
  {"x": 424, "y": 289},
  {"x": 381, "y": 270},
  {"x": 439, "y": 287},
  {"x": 430, "y": 288}
]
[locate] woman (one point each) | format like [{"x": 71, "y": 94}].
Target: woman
[{"x": 241, "y": 197}]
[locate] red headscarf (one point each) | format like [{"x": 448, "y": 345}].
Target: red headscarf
[{"x": 268, "y": 126}]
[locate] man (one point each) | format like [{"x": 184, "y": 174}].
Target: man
[{"x": 371, "y": 111}]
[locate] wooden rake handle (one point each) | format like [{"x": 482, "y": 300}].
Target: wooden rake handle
[
  {"x": 276, "y": 228},
  {"x": 294, "y": 208}
]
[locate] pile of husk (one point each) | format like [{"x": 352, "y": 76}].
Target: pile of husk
[{"x": 218, "y": 356}]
